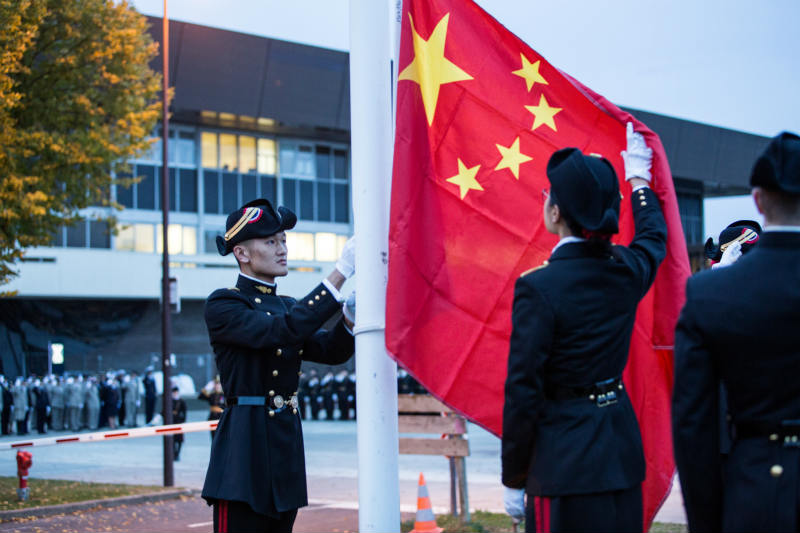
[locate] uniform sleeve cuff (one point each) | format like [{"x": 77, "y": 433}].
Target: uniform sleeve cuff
[
  {"x": 640, "y": 187},
  {"x": 333, "y": 290}
]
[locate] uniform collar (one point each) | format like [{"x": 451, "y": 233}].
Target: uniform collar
[
  {"x": 569, "y": 250},
  {"x": 778, "y": 239},
  {"x": 251, "y": 285},
  {"x": 566, "y": 240}
]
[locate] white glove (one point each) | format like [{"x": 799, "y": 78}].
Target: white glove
[
  {"x": 637, "y": 157},
  {"x": 731, "y": 254},
  {"x": 349, "y": 307},
  {"x": 514, "y": 501},
  {"x": 346, "y": 264}
]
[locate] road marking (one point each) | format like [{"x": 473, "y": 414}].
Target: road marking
[{"x": 200, "y": 524}]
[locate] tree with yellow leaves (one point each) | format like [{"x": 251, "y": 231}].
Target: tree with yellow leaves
[{"x": 77, "y": 99}]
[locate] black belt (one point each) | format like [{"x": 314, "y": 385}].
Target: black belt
[
  {"x": 786, "y": 432},
  {"x": 603, "y": 392},
  {"x": 276, "y": 403}
]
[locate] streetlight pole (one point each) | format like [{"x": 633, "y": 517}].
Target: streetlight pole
[{"x": 169, "y": 480}]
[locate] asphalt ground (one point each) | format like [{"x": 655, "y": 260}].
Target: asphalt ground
[{"x": 331, "y": 464}]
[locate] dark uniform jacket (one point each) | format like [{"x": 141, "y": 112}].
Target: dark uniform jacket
[
  {"x": 259, "y": 339},
  {"x": 571, "y": 327},
  {"x": 740, "y": 326}
]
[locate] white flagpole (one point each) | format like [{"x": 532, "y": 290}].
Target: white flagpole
[{"x": 371, "y": 78}]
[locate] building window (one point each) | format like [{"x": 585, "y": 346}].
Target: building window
[
  {"x": 88, "y": 233},
  {"x": 182, "y": 239},
  {"x": 236, "y": 170},
  {"x": 146, "y": 194},
  {"x": 136, "y": 238},
  {"x": 315, "y": 181}
]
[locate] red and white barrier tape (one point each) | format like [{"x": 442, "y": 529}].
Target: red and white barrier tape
[{"x": 103, "y": 436}]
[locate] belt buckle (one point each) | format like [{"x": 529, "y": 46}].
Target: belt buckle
[
  {"x": 607, "y": 398},
  {"x": 278, "y": 402}
]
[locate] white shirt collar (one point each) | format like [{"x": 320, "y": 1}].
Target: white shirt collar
[
  {"x": 566, "y": 240},
  {"x": 268, "y": 284},
  {"x": 793, "y": 229}
]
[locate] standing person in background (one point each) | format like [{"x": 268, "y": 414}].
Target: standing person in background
[
  {"x": 92, "y": 400},
  {"x": 149, "y": 396},
  {"x": 57, "y": 404},
  {"x": 121, "y": 380},
  {"x": 314, "y": 398},
  {"x": 739, "y": 328},
  {"x": 42, "y": 406},
  {"x": 178, "y": 417},
  {"x": 112, "y": 401},
  {"x": 131, "y": 399},
  {"x": 340, "y": 388},
  {"x": 20, "y": 392},
  {"x": 570, "y": 436},
  {"x": 8, "y": 405},
  {"x": 326, "y": 392},
  {"x": 75, "y": 402},
  {"x": 212, "y": 393}
]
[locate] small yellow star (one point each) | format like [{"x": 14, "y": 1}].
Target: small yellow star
[
  {"x": 465, "y": 179},
  {"x": 543, "y": 114},
  {"x": 512, "y": 158},
  {"x": 530, "y": 71},
  {"x": 430, "y": 69}
]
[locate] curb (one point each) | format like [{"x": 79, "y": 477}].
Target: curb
[{"x": 50, "y": 510}]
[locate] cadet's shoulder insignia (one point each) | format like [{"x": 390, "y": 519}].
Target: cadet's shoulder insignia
[{"x": 534, "y": 269}]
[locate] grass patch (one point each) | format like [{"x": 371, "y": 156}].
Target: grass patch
[
  {"x": 486, "y": 522},
  {"x": 58, "y": 491}
]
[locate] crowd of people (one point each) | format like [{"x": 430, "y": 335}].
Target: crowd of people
[
  {"x": 75, "y": 403},
  {"x": 334, "y": 395}
]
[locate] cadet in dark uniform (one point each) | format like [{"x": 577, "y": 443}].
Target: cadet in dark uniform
[
  {"x": 256, "y": 478},
  {"x": 570, "y": 435},
  {"x": 739, "y": 327}
]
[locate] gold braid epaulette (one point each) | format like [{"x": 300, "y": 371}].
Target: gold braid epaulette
[{"x": 534, "y": 269}]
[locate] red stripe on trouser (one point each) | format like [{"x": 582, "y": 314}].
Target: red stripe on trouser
[
  {"x": 225, "y": 516},
  {"x": 541, "y": 513},
  {"x": 546, "y": 505}
]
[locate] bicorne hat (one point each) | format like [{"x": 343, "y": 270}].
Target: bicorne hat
[
  {"x": 586, "y": 189},
  {"x": 778, "y": 168},
  {"x": 746, "y": 232},
  {"x": 254, "y": 219}
]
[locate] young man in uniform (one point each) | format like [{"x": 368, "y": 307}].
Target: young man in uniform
[
  {"x": 739, "y": 327},
  {"x": 570, "y": 437},
  {"x": 256, "y": 479}
]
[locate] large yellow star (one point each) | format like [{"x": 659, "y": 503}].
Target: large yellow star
[
  {"x": 465, "y": 179},
  {"x": 530, "y": 71},
  {"x": 430, "y": 69},
  {"x": 512, "y": 158},
  {"x": 543, "y": 114}
]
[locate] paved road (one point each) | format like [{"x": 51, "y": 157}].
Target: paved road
[{"x": 331, "y": 462}]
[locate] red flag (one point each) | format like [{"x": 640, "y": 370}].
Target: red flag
[{"x": 478, "y": 115}]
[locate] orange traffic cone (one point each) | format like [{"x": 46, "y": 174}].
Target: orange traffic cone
[{"x": 425, "y": 522}]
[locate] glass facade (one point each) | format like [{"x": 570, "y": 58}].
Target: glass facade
[{"x": 213, "y": 172}]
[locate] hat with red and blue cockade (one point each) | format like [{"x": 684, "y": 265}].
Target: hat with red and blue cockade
[
  {"x": 254, "y": 219},
  {"x": 746, "y": 232}
]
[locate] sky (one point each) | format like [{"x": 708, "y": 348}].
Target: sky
[{"x": 729, "y": 63}]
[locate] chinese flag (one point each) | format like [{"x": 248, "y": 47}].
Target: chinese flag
[{"x": 478, "y": 115}]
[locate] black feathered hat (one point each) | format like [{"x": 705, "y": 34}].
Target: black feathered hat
[
  {"x": 778, "y": 168},
  {"x": 586, "y": 189},
  {"x": 746, "y": 232},
  {"x": 254, "y": 219}
]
